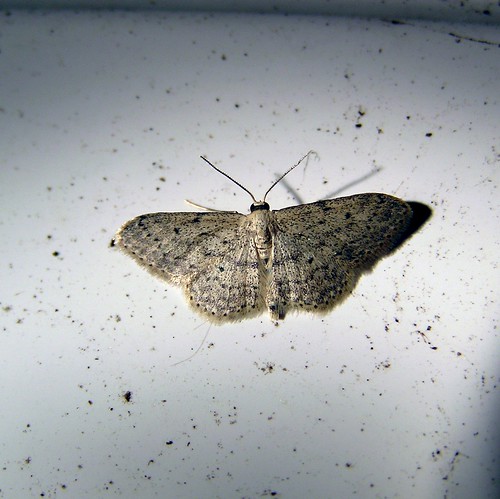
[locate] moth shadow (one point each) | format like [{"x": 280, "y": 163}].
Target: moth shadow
[
  {"x": 298, "y": 198},
  {"x": 421, "y": 214}
]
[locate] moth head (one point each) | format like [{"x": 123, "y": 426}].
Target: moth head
[{"x": 259, "y": 205}]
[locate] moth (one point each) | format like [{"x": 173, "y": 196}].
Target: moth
[{"x": 233, "y": 266}]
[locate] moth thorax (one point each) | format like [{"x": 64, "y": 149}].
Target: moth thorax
[{"x": 263, "y": 235}]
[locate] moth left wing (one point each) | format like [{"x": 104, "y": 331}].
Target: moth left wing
[
  {"x": 356, "y": 230},
  {"x": 320, "y": 249}
]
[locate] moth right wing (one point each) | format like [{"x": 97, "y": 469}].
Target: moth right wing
[{"x": 210, "y": 255}]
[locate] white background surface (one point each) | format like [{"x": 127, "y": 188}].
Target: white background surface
[
  {"x": 474, "y": 11},
  {"x": 103, "y": 117}
]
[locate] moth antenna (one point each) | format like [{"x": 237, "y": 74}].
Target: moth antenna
[
  {"x": 288, "y": 171},
  {"x": 230, "y": 178}
]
